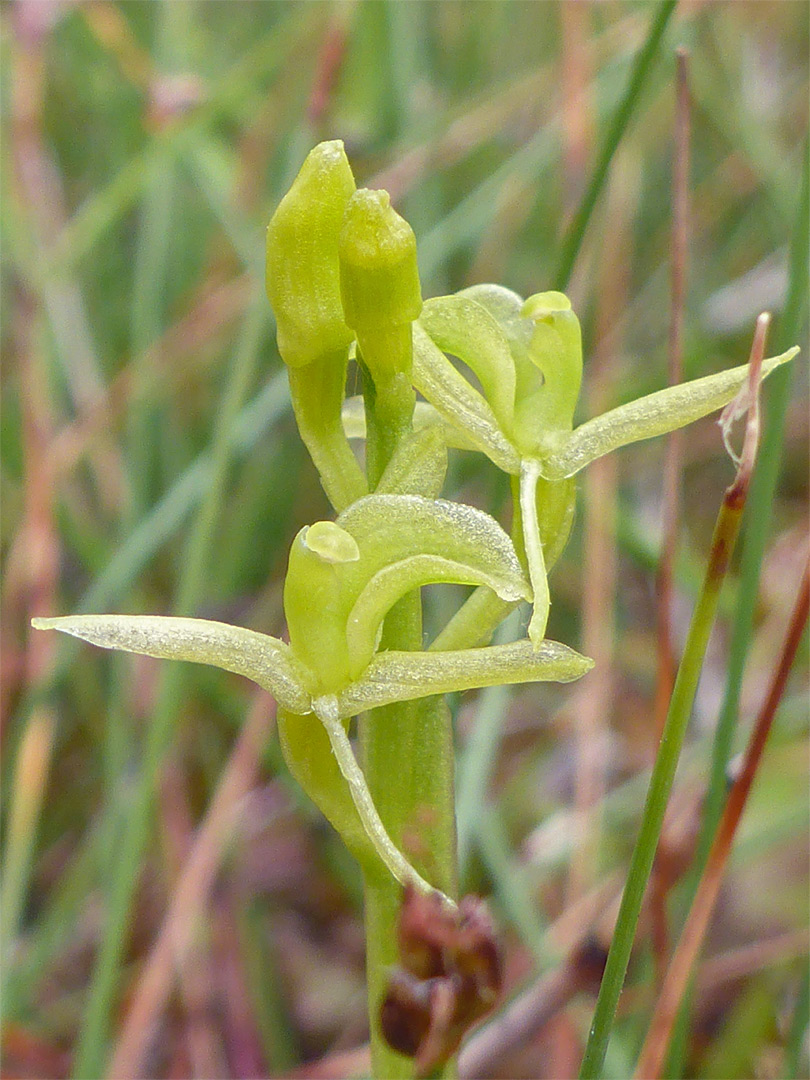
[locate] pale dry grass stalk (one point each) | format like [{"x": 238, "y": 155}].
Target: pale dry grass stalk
[
  {"x": 652, "y": 1057},
  {"x": 193, "y": 889},
  {"x": 593, "y": 705}
]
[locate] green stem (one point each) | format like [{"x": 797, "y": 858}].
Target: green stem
[
  {"x": 723, "y": 541},
  {"x": 757, "y": 529},
  {"x": 621, "y": 118},
  {"x": 317, "y": 395},
  {"x": 758, "y": 524},
  {"x": 407, "y": 757}
]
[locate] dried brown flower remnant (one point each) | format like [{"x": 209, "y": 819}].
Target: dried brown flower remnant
[{"x": 449, "y": 977}]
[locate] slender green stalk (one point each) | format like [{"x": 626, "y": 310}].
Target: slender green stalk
[
  {"x": 408, "y": 764},
  {"x": 757, "y": 530},
  {"x": 723, "y": 541},
  {"x": 621, "y": 118},
  {"x": 476, "y": 763},
  {"x": 758, "y": 522},
  {"x": 91, "y": 1048}
]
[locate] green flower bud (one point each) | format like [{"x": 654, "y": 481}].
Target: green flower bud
[
  {"x": 379, "y": 284},
  {"x": 303, "y": 279},
  {"x": 379, "y": 277}
]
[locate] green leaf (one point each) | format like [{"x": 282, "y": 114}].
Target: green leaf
[{"x": 264, "y": 659}]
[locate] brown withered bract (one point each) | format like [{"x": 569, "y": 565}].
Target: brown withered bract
[{"x": 448, "y": 978}]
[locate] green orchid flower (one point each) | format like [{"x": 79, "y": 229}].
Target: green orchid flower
[
  {"x": 342, "y": 579},
  {"x": 527, "y": 358}
]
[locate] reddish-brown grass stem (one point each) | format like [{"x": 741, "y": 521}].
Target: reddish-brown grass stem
[{"x": 655, "y": 1047}]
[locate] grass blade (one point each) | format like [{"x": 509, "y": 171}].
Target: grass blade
[{"x": 572, "y": 241}]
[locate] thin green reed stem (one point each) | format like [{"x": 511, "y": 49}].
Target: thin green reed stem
[
  {"x": 663, "y": 774},
  {"x": 757, "y": 530},
  {"x": 758, "y": 518},
  {"x": 572, "y": 241},
  {"x": 90, "y": 1053},
  {"x": 152, "y": 249}
]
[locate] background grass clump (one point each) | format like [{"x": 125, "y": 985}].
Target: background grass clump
[{"x": 151, "y": 463}]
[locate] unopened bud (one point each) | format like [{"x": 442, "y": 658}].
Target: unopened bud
[
  {"x": 303, "y": 277},
  {"x": 379, "y": 277}
]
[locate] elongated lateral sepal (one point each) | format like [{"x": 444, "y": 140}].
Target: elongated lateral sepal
[
  {"x": 565, "y": 454},
  {"x": 264, "y": 659},
  {"x": 404, "y": 676}
]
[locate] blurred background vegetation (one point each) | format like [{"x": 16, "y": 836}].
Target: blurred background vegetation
[{"x": 151, "y": 464}]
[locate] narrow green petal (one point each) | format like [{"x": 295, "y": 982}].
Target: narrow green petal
[
  {"x": 393, "y": 582},
  {"x": 403, "y": 676},
  {"x": 458, "y": 403},
  {"x": 464, "y": 328},
  {"x": 390, "y": 528},
  {"x": 264, "y": 659},
  {"x": 375, "y": 831},
  {"x": 529, "y": 474},
  {"x": 645, "y": 418}
]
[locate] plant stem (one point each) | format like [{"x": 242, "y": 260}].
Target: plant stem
[
  {"x": 757, "y": 529},
  {"x": 725, "y": 534},
  {"x": 758, "y": 526},
  {"x": 724, "y": 539},
  {"x": 573, "y": 238},
  {"x": 408, "y": 763},
  {"x": 694, "y": 932}
]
